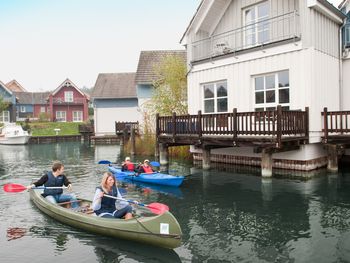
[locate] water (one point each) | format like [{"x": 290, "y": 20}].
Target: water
[{"x": 227, "y": 215}]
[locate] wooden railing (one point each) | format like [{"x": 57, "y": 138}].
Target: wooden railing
[
  {"x": 276, "y": 123},
  {"x": 121, "y": 126},
  {"x": 335, "y": 122}
]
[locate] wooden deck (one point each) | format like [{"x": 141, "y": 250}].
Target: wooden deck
[
  {"x": 280, "y": 130},
  {"x": 336, "y": 127}
]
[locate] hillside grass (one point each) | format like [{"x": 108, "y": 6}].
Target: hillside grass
[{"x": 47, "y": 128}]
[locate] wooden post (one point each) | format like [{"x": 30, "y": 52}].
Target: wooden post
[
  {"x": 174, "y": 125},
  {"x": 279, "y": 126},
  {"x": 132, "y": 138},
  {"x": 307, "y": 115},
  {"x": 332, "y": 153},
  {"x": 325, "y": 124},
  {"x": 199, "y": 124},
  {"x": 234, "y": 119},
  {"x": 156, "y": 152},
  {"x": 266, "y": 163},
  {"x": 205, "y": 158},
  {"x": 163, "y": 154}
]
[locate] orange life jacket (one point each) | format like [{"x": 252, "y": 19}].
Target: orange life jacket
[
  {"x": 130, "y": 166},
  {"x": 147, "y": 169}
]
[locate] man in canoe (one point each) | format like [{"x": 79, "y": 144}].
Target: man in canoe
[
  {"x": 56, "y": 178},
  {"x": 108, "y": 201},
  {"x": 127, "y": 165}
]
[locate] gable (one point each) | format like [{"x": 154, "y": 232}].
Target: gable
[
  {"x": 5, "y": 92},
  {"x": 13, "y": 85},
  {"x": 67, "y": 85}
]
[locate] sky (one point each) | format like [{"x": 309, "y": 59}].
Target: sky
[{"x": 43, "y": 42}]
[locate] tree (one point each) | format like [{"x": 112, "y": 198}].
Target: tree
[
  {"x": 170, "y": 93},
  {"x": 3, "y": 104}
]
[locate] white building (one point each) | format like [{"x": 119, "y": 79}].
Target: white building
[{"x": 254, "y": 55}]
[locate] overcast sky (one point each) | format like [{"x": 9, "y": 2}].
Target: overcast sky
[{"x": 43, "y": 42}]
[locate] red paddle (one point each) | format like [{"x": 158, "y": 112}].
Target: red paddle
[
  {"x": 156, "y": 208},
  {"x": 15, "y": 188}
]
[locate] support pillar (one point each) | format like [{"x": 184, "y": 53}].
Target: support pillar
[
  {"x": 266, "y": 164},
  {"x": 132, "y": 139},
  {"x": 205, "y": 158},
  {"x": 332, "y": 157},
  {"x": 163, "y": 154}
]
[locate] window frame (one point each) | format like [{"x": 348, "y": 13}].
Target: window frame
[
  {"x": 265, "y": 106},
  {"x": 68, "y": 96},
  {"x": 75, "y": 119},
  {"x": 22, "y": 109},
  {"x": 215, "y": 84},
  {"x": 255, "y": 24},
  {"x": 3, "y": 117},
  {"x": 61, "y": 119}
]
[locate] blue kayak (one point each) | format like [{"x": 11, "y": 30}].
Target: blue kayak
[{"x": 152, "y": 178}]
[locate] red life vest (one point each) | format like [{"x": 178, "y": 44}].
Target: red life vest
[
  {"x": 147, "y": 169},
  {"x": 130, "y": 166}
]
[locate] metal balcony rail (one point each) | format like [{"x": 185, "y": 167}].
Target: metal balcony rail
[{"x": 261, "y": 33}]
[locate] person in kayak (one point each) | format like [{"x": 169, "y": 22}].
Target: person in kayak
[
  {"x": 107, "y": 207},
  {"x": 127, "y": 165},
  {"x": 56, "y": 178},
  {"x": 145, "y": 168}
]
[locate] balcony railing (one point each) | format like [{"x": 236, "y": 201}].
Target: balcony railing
[
  {"x": 278, "y": 124},
  {"x": 121, "y": 126},
  {"x": 335, "y": 123},
  {"x": 264, "y": 32},
  {"x": 63, "y": 101}
]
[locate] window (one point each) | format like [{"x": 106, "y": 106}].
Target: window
[
  {"x": 23, "y": 109},
  {"x": 5, "y": 116},
  {"x": 68, "y": 96},
  {"x": 257, "y": 24},
  {"x": 61, "y": 116},
  {"x": 215, "y": 97},
  {"x": 271, "y": 90},
  {"x": 77, "y": 116},
  {"x": 42, "y": 109}
]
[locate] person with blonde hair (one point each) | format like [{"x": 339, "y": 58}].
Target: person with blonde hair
[{"x": 107, "y": 207}]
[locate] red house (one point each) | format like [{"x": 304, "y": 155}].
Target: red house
[{"x": 68, "y": 104}]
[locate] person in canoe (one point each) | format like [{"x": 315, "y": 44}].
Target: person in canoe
[
  {"x": 56, "y": 178},
  {"x": 127, "y": 165},
  {"x": 145, "y": 168},
  {"x": 107, "y": 207}
]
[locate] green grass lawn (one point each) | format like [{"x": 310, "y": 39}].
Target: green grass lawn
[{"x": 47, "y": 128}]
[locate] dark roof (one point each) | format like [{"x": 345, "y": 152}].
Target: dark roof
[
  {"x": 115, "y": 85},
  {"x": 149, "y": 59},
  {"x": 32, "y": 97}
]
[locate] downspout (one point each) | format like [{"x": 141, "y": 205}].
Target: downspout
[{"x": 341, "y": 66}]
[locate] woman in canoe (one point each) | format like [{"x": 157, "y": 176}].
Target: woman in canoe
[
  {"x": 107, "y": 207},
  {"x": 145, "y": 168}
]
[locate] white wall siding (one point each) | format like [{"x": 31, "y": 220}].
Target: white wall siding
[
  {"x": 318, "y": 31},
  {"x": 105, "y": 118},
  {"x": 313, "y": 78},
  {"x": 346, "y": 84}
]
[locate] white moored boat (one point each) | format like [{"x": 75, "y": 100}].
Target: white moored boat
[{"x": 12, "y": 133}]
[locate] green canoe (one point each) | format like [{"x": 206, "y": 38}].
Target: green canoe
[{"x": 159, "y": 230}]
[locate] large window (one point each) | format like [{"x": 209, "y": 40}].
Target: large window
[
  {"x": 42, "y": 109},
  {"x": 61, "y": 116},
  {"x": 68, "y": 96},
  {"x": 271, "y": 90},
  {"x": 215, "y": 97},
  {"x": 257, "y": 24},
  {"x": 77, "y": 116},
  {"x": 5, "y": 116}
]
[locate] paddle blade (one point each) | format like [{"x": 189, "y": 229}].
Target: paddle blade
[
  {"x": 14, "y": 188},
  {"x": 104, "y": 162},
  {"x": 158, "y": 208},
  {"x": 155, "y": 164}
]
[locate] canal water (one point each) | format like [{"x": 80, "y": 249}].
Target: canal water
[{"x": 229, "y": 214}]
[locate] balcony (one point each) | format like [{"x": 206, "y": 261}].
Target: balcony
[
  {"x": 265, "y": 32},
  {"x": 62, "y": 101}
]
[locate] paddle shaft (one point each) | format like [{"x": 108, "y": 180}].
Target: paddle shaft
[{"x": 122, "y": 199}]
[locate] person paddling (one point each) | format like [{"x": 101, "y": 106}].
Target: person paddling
[
  {"x": 107, "y": 207},
  {"x": 127, "y": 165},
  {"x": 145, "y": 168},
  {"x": 56, "y": 178}
]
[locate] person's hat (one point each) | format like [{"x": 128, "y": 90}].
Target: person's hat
[
  {"x": 127, "y": 158},
  {"x": 146, "y": 161}
]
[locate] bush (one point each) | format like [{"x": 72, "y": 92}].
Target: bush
[{"x": 44, "y": 116}]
